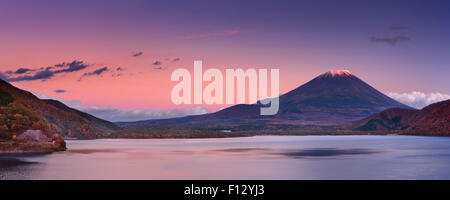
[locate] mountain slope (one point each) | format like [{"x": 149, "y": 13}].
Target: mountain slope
[
  {"x": 336, "y": 97},
  {"x": 431, "y": 120},
  {"x": 61, "y": 119}
]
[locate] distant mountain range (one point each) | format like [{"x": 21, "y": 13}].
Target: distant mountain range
[
  {"x": 55, "y": 115},
  {"x": 336, "y": 97},
  {"x": 333, "y": 102},
  {"x": 431, "y": 120}
]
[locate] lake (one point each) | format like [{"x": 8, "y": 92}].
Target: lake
[{"x": 260, "y": 157}]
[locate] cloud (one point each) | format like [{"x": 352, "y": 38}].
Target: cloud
[
  {"x": 176, "y": 59},
  {"x": 96, "y": 72},
  {"x": 209, "y": 34},
  {"x": 418, "y": 99},
  {"x": 118, "y": 72},
  {"x": 43, "y": 73},
  {"x": 60, "y": 91},
  {"x": 398, "y": 27},
  {"x": 137, "y": 54},
  {"x": 72, "y": 103},
  {"x": 3, "y": 76},
  {"x": 392, "y": 41},
  {"x": 157, "y": 63}
]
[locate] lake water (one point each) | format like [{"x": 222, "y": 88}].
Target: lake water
[{"x": 261, "y": 157}]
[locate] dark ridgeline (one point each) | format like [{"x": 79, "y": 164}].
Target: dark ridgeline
[{"x": 336, "y": 97}]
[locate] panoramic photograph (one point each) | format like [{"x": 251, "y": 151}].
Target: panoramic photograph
[{"x": 224, "y": 90}]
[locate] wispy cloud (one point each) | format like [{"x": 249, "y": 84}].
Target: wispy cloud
[
  {"x": 3, "y": 76},
  {"x": 418, "y": 99},
  {"x": 22, "y": 70},
  {"x": 210, "y": 34},
  {"x": 118, "y": 72},
  {"x": 137, "y": 54},
  {"x": 390, "y": 40},
  {"x": 72, "y": 103},
  {"x": 160, "y": 68},
  {"x": 116, "y": 115},
  {"x": 96, "y": 72},
  {"x": 71, "y": 67},
  {"x": 157, "y": 62},
  {"x": 398, "y": 27},
  {"x": 176, "y": 59},
  {"x": 394, "y": 40},
  {"x": 42, "y": 75},
  {"x": 60, "y": 91}
]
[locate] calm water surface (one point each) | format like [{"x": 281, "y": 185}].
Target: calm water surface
[{"x": 262, "y": 157}]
